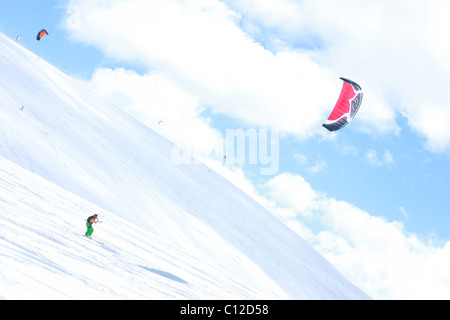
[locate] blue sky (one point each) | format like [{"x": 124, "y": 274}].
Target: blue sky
[
  {"x": 211, "y": 66},
  {"x": 26, "y": 18},
  {"x": 412, "y": 189}
]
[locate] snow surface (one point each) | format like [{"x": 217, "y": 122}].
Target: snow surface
[{"x": 170, "y": 231}]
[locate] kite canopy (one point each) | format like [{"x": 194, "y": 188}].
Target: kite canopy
[
  {"x": 347, "y": 106},
  {"x": 41, "y": 33}
]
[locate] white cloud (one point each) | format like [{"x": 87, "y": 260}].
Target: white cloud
[
  {"x": 206, "y": 49},
  {"x": 377, "y": 255},
  {"x": 439, "y": 24},
  {"x": 400, "y": 60},
  {"x": 291, "y": 192},
  {"x": 301, "y": 158},
  {"x": 386, "y": 160},
  {"x": 319, "y": 165},
  {"x": 403, "y": 212},
  {"x": 430, "y": 120},
  {"x": 201, "y": 49},
  {"x": 347, "y": 148}
]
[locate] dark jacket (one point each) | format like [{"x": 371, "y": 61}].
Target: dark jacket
[{"x": 93, "y": 218}]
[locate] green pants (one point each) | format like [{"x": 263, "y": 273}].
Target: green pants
[{"x": 89, "y": 229}]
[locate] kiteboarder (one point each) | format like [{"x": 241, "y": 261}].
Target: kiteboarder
[{"x": 89, "y": 222}]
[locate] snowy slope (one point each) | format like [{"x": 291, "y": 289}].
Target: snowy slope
[
  {"x": 42, "y": 252},
  {"x": 74, "y": 139}
]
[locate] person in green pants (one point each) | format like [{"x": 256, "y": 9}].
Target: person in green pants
[{"x": 89, "y": 222}]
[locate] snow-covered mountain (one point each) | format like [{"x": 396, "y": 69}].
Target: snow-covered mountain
[{"x": 169, "y": 231}]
